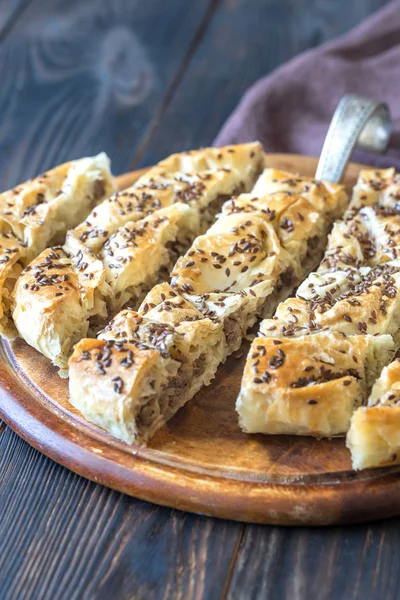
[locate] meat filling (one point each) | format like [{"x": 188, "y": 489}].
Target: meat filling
[
  {"x": 199, "y": 365},
  {"x": 233, "y": 333},
  {"x": 165, "y": 404},
  {"x": 99, "y": 189},
  {"x": 208, "y": 213}
]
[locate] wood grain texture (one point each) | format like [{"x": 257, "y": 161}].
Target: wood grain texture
[
  {"x": 354, "y": 562},
  {"x": 93, "y": 75},
  {"x": 10, "y": 12},
  {"x": 200, "y": 461},
  {"x": 245, "y": 40},
  {"x": 87, "y": 542}
]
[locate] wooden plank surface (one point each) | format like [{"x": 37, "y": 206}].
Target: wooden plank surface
[
  {"x": 353, "y": 562},
  {"x": 75, "y": 81},
  {"x": 82, "y": 541},
  {"x": 10, "y": 12},
  {"x": 80, "y": 77}
]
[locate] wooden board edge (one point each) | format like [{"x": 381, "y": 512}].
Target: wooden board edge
[
  {"x": 274, "y": 504},
  {"x": 215, "y": 496}
]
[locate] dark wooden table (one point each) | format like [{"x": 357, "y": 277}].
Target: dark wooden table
[{"x": 141, "y": 79}]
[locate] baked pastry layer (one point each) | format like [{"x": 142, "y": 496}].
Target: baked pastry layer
[
  {"x": 351, "y": 301},
  {"x": 374, "y": 434},
  {"x": 258, "y": 249},
  {"x": 38, "y": 213},
  {"x": 354, "y": 293},
  {"x": 309, "y": 385},
  {"x": 145, "y": 366},
  {"x": 55, "y": 298},
  {"x": 127, "y": 245},
  {"x": 202, "y": 178}
]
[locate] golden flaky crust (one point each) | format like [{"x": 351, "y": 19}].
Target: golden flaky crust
[
  {"x": 146, "y": 366},
  {"x": 138, "y": 255},
  {"x": 354, "y": 292},
  {"x": 55, "y": 298},
  {"x": 347, "y": 301},
  {"x": 259, "y": 250},
  {"x": 11, "y": 253},
  {"x": 116, "y": 395},
  {"x": 202, "y": 178},
  {"x": 373, "y": 185},
  {"x": 374, "y": 435},
  {"x": 229, "y": 276},
  {"x": 308, "y": 385},
  {"x": 53, "y": 317},
  {"x": 136, "y": 236},
  {"x": 38, "y": 213}
]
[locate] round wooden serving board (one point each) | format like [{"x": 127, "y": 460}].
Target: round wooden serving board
[{"x": 200, "y": 461}]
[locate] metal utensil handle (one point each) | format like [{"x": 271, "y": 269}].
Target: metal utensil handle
[{"x": 356, "y": 121}]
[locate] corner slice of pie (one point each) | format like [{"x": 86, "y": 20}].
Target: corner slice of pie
[
  {"x": 145, "y": 365},
  {"x": 57, "y": 298},
  {"x": 309, "y": 385},
  {"x": 38, "y": 213},
  {"x": 374, "y": 435}
]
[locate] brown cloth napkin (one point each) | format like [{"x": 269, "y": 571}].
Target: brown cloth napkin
[{"x": 290, "y": 109}]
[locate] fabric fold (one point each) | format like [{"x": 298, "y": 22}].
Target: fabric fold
[{"x": 290, "y": 109}]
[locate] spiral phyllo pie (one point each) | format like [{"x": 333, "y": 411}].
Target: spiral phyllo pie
[
  {"x": 260, "y": 247},
  {"x": 132, "y": 241},
  {"x": 38, "y": 213}
]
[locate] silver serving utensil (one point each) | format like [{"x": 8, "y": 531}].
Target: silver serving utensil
[{"x": 359, "y": 122}]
